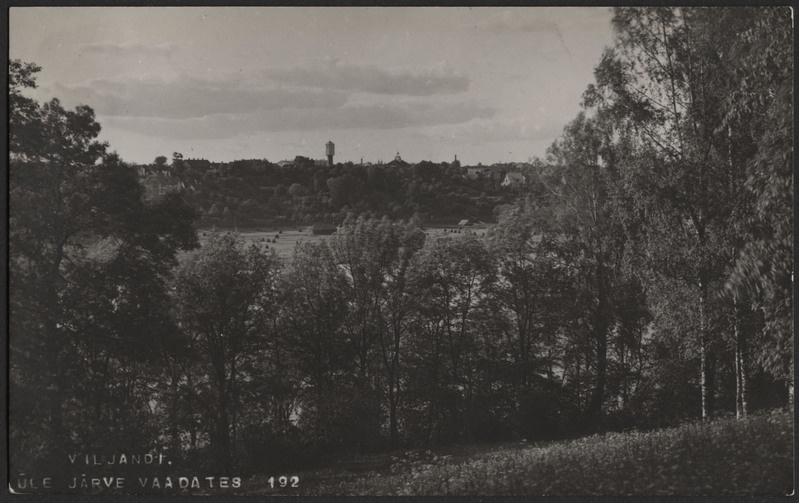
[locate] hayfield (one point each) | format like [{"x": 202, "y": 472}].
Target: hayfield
[
  {"x": 284, "y": 239},
  {"x": 722, "y": 457}
]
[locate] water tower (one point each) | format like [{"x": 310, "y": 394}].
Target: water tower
[{"x": 330, "y": 150}]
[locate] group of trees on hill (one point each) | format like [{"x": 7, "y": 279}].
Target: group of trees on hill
[
  {"x": 644, "y": 278},
  {"x": 259, "y": 193}
]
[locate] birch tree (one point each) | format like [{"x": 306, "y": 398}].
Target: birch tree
[{"x": 665, "y": 83}]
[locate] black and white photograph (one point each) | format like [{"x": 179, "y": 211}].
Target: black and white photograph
[{"x": 400, "y": 251}]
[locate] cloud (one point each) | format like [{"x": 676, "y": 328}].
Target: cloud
[
  {"x": 514, "y": 20},
  {"x": 383, "y": 117},
  {"x": 372, "y": 79},
  {"x": 525, "y": 19},
  {"x": 128, "y": 50},
  {"x": 186, "y": 97},
  {"x": 482, "y": 131}
]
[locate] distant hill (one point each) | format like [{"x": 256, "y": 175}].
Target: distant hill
[{"x": 249, "y": 193}]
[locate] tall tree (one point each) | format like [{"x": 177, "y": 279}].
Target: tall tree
[
  {"x": 452, "y": 278},
  {"x": 223, "y": 293},
  {"x": 375, "y": 255},
  {"x": 312, "y": 316},
  {"x": 582, "y": 179},
  {"x": 761, "y": 103},
  {"x": 49, "y": 206},
  {"x": 665, "y": 83},
  {"x": 528, "y": 287},
  {"x": 86, "y": 253}
]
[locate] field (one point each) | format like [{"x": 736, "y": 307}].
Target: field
[
  {"x": 723, "y": 457},
  {"x": 284, "y": 239}
]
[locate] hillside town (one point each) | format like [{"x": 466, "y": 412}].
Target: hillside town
[{"x": 256, "y": 192}]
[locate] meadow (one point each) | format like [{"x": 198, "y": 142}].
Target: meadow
[
  {"x": 284, "y": 239},
  {"x": 722, "y": 457}
]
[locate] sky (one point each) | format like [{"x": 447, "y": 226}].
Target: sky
[{"x": 225, "y": 83}]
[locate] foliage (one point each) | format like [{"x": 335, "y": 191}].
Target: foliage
[
  {"x": 224, "y": 296},
  {"x": 88, "y": 260},
  {"x": 306, "y": 193},
  {"x": 676, "y": 92},
  {"x": 723, "y": 457}
]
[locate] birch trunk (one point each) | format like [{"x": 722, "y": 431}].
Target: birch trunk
[{"x": 707, "y": 360}]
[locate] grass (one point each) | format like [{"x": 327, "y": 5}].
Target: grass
[
  {"x": 722, "y": 457},
  {"x": 286, "y": 238}
]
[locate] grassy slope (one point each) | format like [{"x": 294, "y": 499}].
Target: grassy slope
[{"x": 723, "y": 457}]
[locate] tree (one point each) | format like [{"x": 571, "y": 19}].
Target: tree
[
  {"x": 117, "y": 309},
  {"x": 345, "y": 190},
  {"x": 581, "y": 180},
  {"x": 376, "y": 255},
  {"x": 312, "y": 317},
  {"x": 376, "y": 178},
  {"x": 665, "y": 84},
  {"x": 53, "y": 158},
  {"x": 528, "y": 288},
  {"x": 223, "y": 292},
  {"x": 24, "y": 113},
  {"x": 160, "y": 161},
  {"x": 297, "y": 190},
  {"x": 85, "y": 253},
  {"x": 527, "y": 303},
  {"x": 762, "y": 103},
  {"x": 452, "y": 278}
]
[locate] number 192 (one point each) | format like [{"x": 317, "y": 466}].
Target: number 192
[{"x": 283, "y": 481}]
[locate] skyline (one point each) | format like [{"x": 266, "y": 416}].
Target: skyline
[{"x": 224, "y": 83}]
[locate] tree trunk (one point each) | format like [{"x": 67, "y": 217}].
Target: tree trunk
[
  {"x": 707, "y": 360},
  {"x": 600, "y": 328},
  {"x": 741, "y": 403},
  {"x": 222, "y": 437},
  {"x": 174, "y": 432},
  {"x": 223, "y": 441},
  {"x": 190, "y": 411},
  {"x": 598, "y": 395},
  {"x": 56, "y": 413},
  {"x": 55, "y": 342},
  {"x": 55, "y": 346},
  {"x": 393, "y": 427}
]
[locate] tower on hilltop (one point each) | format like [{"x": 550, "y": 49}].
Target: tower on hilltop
[{"x": 330, "y": 150}]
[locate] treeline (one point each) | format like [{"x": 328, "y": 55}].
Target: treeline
[
  {"x": 259, "y": 193},
  {"x": 643, "y": 279}
]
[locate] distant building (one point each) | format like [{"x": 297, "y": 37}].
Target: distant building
[
  {"x": 159, "y": 183},
  {"x": 513, "y": 180},
  {"x": 397, "y": 162},
  {"x": 202, "y": 164},
  {"x": 498, "y": 175},
  {"x": 323, "y": 228},
  {"x": 330, "y": 150},
  {"x": 464, "y": 223},
  {"x": 285, "y": 163},
  {"x": 478, "y": 173}
]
